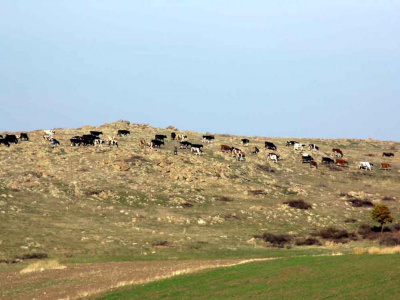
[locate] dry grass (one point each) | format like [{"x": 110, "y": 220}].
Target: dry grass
[
  {"x": 378, "y": 250},
  {"x": 43, "y": 265}
]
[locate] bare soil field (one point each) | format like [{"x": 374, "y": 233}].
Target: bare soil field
[{"x": 81, "y": 280}]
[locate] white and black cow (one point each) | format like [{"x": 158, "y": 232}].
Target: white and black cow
[
  {"x": 245, "y": 142},
  {"x": 273, "y": 157},
  {"x": 298, "y": 146},
  {"x": 313, "y": 147},
  {"x": 196, "y": 150},
  {"x": 365, "y": 165},
  {"x": 291, "y": 143},
  {"x": 208, "y": 138}
]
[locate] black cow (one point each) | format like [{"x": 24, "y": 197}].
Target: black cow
[
  {"x": 208, "y": 138},
  {"x": 327, "y": 160},
  {"x": 185, "y": 145},
  {"x": 291, "y": 143},
  {"x": 307, "y": 159},
  {"x": 55, "y": 142},
  {"x": 256, "y": 150},
  {"x": 24, "y": 136},
  {"x": 76, "y": 141},
  {"x": 5, "y": 142},
  {"x": 96, "y": 133},
  {"x": 173, "y": 136},
  {"x": 245, "y": 141},
  {"x": 271, "y": 146},
  {"x": 197, "y": 146},
  {"x": 11, "y": 138},
  {"x": 157, "y": 143},
  {"x": 388, "y": 154},
  {"x": 1, "y": 136},
  {"x": 122, "y": 132},
  {"x": 160, "y": 137}
]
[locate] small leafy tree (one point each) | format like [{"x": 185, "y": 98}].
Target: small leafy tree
[{"x": 381, "y": 214}]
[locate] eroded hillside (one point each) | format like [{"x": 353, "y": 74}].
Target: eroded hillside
[{"x": 133, "y": 201}]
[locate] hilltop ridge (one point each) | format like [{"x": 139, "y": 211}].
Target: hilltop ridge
[{"x": 126, "y": 201}]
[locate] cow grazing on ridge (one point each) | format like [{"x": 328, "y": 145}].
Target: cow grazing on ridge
[
  {"x": 270, "y": 146},
  {"x": 5, "y": 142},
  {"x": 298, "y": 146},
  {"x": 306, "y": 159},
  {"x": 123, "y": 132},
  {"x": 49, "y": 132},
  {"x": 273, "y": 157},
  {"x": 181, "y": 137},
  {"x": 365, "y": 165},
  {"x": 388, "y": 154},
  {"x": 226, "y": 148},
  {"x": 342, "y": 163},
  {"x": 291, "y": 143},
  {"x": 173, "y": 136},
  {"x": 157, "y": 143},
  {"x": 313, "y": 147},
  {"x": 11, "y": 138},
  {"x": 96, "y": 133},
  {"x": 196, "y": 150},
  {"x": 385, "y": 166},
  {"x": 337, "y": 152},
  {"x": 255, "y": 150},
  {"x": 245, "y": 142},
  {"x": 185, "y": 145},
  {"x": 208, "y": 138},
  {"x": 160, "y": 137},
  {"x": 327, "y": 160},
  {"x": 23, "y": 136}
]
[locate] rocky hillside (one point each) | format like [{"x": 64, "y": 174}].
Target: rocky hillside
[{"x": 132, "y": 201}]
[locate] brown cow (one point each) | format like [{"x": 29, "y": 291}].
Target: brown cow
[
  {"x": 313, "y": 164},
  {"x": 337, "y": 152},
  {"x": 342, "y": 163},
  {"x": 226, "y": 148},
  {"x": 385, "y": 166},
  {"x": 388, "y": 154}
]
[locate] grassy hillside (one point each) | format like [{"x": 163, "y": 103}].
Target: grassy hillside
[
  {"x": 102, "y": 203},
  {"x": 337, "y": 277}
]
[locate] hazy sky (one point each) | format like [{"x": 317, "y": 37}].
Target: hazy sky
[{"x": 269, "y": 68}]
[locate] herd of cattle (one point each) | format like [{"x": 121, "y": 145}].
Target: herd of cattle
[{"x": 93, "y": 139}]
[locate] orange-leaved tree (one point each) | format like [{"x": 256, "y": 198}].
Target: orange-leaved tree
[{"x": 381, "y": 214}]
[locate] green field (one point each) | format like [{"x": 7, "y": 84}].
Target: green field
[{"x": 334, "y": 277}]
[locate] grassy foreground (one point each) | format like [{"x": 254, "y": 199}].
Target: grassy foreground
[{"x": 335, "y": 277}]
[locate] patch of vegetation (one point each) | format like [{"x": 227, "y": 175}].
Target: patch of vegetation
[
  {"x": 307, "y": 242},
  {"x": 277, "y": 240},
  {"x": 336, "y": 235},
  {"x": 360, "y": 203},
  {"x": 21, "y": 258},
  {"x": 300, "y": 204}
]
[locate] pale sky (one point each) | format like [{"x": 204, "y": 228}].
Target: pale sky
[{"x": 290, "y": 68}]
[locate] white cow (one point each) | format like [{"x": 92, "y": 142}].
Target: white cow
[
  {"x": 49, "y": 132},
  {"x": 298, "y": 146},
  {"x": 196, "y": 150},
  {"x": 273, "y": 157},
  {"x": 366, "y": 165}
]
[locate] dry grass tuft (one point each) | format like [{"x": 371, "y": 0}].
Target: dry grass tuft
[
  {"x": 40, "y": 266},
  {"x": 386, "y": 250}
]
